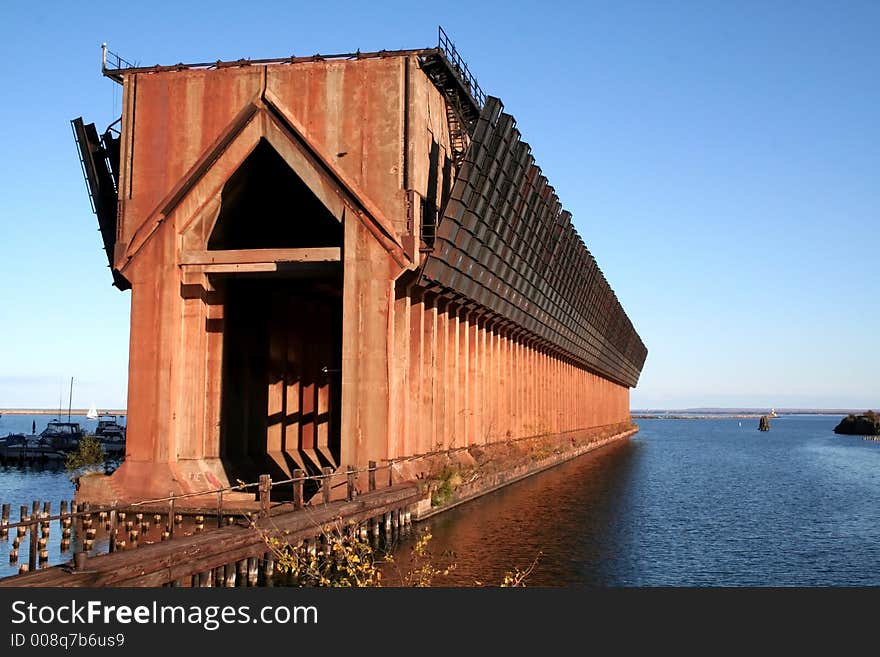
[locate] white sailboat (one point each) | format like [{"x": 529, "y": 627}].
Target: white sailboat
[{"x": 93, "y": 413}]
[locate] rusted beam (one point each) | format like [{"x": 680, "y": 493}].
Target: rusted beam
[{"x": 261, "y": 256}]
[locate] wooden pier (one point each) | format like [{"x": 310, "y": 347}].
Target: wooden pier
[{"x": 158, "y": 543}]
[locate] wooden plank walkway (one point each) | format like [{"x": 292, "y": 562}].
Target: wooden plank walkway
[{"x": 234, "y": 549}]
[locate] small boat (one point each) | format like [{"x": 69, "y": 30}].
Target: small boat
[
  {"x": 109, "y": 429},
  {"x": 17, "y": 446},
  {"x": 64, "y": 436},
  {"x": 93, "y": 413},
  {"x": 111, "y": 434}
]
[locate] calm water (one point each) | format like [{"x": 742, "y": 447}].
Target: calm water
[
  {"x": 684, "y": 503},
  {"x": 20, "y": 486}
]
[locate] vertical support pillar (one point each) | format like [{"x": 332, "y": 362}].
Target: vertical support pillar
[
  {"x": 429, "y": 354},
  {"x": 461, "y": 375},
  {"x": 439, "y": 374},
  {"x": 414, "y": 430}
]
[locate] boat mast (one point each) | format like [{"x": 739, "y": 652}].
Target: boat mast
[{"x": 70, "y": 400}]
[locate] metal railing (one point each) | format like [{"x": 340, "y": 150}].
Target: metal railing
[
  {"x": 445, "y": 44},
  {"x": 110, "y": 61}
]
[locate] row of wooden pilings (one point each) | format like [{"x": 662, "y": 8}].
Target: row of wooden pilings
[
  {"x": 146, "y": 524},
  {"x": 35, "y": 521}
]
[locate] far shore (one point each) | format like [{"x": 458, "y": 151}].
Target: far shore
[
  {"x": 713, "y": 416},
  {"x": 721, "y": 415},
  {"x": 56, "y": 412}
]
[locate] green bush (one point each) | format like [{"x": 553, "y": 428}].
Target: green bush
[{"x": 89, "y": 452}]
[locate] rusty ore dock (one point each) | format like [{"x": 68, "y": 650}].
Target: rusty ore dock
[{"x": 342, "y": 264}]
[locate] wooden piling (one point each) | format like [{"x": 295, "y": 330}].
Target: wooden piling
[
  {"x": 325, "y": 488},
  {"x": 4, "y": 522},
  {"x": 219, "y": 508},
  {"x": 253, "y": 572},
  {"x": 47, "y": 512},
  {"x": 34, "y": 524},
  {"x": 111, "y": 527},
  {"x": 22, "y": 529},
  {"x": 297, "y": 489},
  {"x": 371, "y": 469},
  {"x": 349, "y": 482},
  {"x": 268, "y": 569},
  {"x": 170, "y": 526},
  {"x": 265, "y": 489}
]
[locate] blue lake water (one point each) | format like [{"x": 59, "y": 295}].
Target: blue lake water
[{"x": 683, "y": 503}]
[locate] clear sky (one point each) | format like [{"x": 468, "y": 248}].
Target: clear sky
[{"x": 721, "y": 161}]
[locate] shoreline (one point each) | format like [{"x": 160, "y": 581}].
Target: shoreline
[
  {"x": 56, "y": 412},
  {"x": 725, "y": 416}
]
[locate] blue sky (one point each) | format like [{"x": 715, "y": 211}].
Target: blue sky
[{"x": 721, "y": 161}]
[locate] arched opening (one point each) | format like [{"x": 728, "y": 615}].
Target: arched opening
[
  {"x": 265, "y": 205},
  {"x": 282, "y": 353}
]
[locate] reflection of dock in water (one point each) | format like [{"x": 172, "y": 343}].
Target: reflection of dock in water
[{"x": 17, "y": 452}]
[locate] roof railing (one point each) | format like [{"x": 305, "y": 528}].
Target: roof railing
[
  {"x": 111, "y": 62},
  {"x": 445, "y": 44}
]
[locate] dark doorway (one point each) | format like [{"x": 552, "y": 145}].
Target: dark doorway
[
  {"x": 281, "y": 377},
  {"x": 281, "y": 396}
]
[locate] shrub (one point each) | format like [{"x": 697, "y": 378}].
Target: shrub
[{"x": 88, "y": 452}]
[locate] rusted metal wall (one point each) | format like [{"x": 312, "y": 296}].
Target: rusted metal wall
[{"x": 422, "y": 367}]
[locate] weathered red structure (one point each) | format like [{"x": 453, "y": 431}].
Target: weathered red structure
[{"x": 341, "y": 259}]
